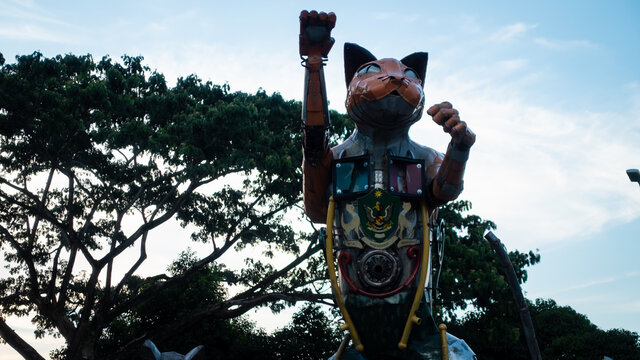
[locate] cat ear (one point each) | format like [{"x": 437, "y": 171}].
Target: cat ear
[
  {"x": 354, "y": 57},
  {"x": 418, "y": 62}
]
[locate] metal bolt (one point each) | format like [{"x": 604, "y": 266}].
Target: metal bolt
[
  {"x": 338, "y": 165},
  {"x": 391, "y": 188},
  {"x": 419, "y": 191},
  {"x": 419, "y": 166},
  {"x": 365, "y": 164},
  {"x": 366, "y": 187},
  {"x": 339, "y": 192}
]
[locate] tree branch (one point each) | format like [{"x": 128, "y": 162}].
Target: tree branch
[
  {"x": 141, "y": 259},
  {"x": 36, "y": 221},
  {"x": 150, "y": 225},
  {"x": 16, "y": 342}
]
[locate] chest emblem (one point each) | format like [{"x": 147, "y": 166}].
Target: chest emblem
[{"x": 378, "y": 212}]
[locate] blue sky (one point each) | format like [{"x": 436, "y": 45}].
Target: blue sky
[{"x": 552, "y": 89}]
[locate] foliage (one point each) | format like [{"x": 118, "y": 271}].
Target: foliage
[
  {"x": 470, "y": 277},
  {"x": 96, "y": 155},
  {"x": 562, "y": 333},
  {"x": 309, "y": 335}
]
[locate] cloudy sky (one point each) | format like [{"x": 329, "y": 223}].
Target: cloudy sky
[{"x": 551, "y": 88}]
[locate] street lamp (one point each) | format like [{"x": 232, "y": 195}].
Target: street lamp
[{"x": 634, "y": 175}]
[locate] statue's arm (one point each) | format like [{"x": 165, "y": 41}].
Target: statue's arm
[
  {"x": 315, "y": 44},
  {"x": 445, "y": 174}
]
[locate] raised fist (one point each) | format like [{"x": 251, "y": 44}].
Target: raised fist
[
  {"x": 315, "y": 33},
  {"x": 446, "y": 116}
]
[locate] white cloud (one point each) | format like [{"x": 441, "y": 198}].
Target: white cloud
[
  {"x": 27, "y": 11},
  {"x": 596, "y": 282},
  {"x": 543, "y": 174},
  {"x": 31, "y": 32},
  {"x": 565, "y": 44},
  {"x": 512, "y": 65},
  {"x": 397, "y": 17},
  {"x": 510, "y": 32}
]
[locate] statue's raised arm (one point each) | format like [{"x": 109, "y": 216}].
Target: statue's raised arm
[{"x": 315, "y": 44}]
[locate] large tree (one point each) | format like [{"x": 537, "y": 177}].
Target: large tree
[{"x": 89, "y": 149}]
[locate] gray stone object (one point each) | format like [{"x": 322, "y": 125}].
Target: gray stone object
[{"x": 171, "y": 355}]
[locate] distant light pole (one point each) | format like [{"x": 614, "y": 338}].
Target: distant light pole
[{"x": 634, "y": 175}]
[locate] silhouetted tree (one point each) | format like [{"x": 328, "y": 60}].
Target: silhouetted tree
[{"x": 88, "y": 147}]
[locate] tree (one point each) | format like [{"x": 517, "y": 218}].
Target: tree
[
  {"x": 471, "y": 276},
  {"x": 87, "y": 147},
  {"x": 222, "y": 338},
  {"x": 309, "y": 335}
]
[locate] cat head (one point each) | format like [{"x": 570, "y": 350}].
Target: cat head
[{"x": 385, "y": 94}]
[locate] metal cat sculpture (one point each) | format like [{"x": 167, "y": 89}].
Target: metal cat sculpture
[{"x": 376, "y": 192}]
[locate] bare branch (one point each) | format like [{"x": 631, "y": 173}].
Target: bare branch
[
  {"x": 264, "y": 283},
  {"x": 132, "y": 270},
  {"x": 150, "y": 225},
  {"x": 25, "y": 256},
  {"x": 16, "y": 342},
  {"x": 54, "y": 274},
  {"x": 45, "y": 194}
]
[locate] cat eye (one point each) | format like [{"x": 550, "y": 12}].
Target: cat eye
[
  {"x": 410, "y": 73},
  {"x": 371, "y": 68}
]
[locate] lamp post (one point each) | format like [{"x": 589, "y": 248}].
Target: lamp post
[{"x": 634, "y": 175}]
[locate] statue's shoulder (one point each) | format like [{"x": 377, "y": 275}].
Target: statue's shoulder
[
  {"x": 353, "y": 146},
  {"x": 425, "y": 153}
]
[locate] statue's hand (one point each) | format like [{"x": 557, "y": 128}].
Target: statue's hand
[
  {"x": 446, "y": 116},
  {"x": 315, "y": 33}
]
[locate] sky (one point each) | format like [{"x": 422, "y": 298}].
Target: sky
[{"x": 551, "y": 88}]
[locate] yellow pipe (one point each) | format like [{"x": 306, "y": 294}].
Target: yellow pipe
[
  {"x": 334, "y": 280},
  {"x": 413, "y": 319},
  {"x": 443, "y": 339}
]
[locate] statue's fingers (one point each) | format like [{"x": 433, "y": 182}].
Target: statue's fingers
[
  {"x": 446, "y": 105},
  {"x": 443, "y": 115},
  {"x": 459, "y": 130},
  {"x": 433, "y": 110},
  {"x": 451, "y": 123},
  {"x": 313, "y": 17},
  {"x": 304, "y": 19},
  {"x": 332, "y": 20}
]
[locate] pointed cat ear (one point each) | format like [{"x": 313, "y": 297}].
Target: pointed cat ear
[
  {"x": 418, "y": 62},
  {"x": 354, "y": 57}
]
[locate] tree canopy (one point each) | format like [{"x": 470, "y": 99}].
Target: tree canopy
[{"x": 87, "y": 147}]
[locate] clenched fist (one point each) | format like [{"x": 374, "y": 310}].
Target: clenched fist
[
  {"x": 315, "y": 33},
  {"x": 446, "y": 116}
]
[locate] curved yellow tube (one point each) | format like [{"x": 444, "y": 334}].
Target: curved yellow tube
[
  {"x": 443, "y": 340},
  {"x": 413, "y": 319},
  {"x": 334, "y": 280}
]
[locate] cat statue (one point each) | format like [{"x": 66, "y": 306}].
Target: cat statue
[
  {"x": 172, "y": 355},
  {"x": 376, "y": 192}
]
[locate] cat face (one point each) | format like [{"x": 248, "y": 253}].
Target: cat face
[{"x": 384, "y": 94}]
